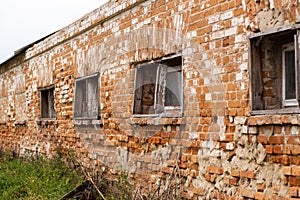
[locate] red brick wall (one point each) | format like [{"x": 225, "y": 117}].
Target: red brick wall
[{"x": 221, "y": 152}]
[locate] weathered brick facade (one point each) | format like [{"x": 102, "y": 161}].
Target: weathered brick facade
[{"x": 222, "y": 148}]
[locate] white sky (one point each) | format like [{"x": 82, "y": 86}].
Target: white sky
[{"x": 25, "y": 21}]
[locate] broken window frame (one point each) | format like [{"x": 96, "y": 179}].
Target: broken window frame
[
  {"x": 161, "y": 73},
  {"x": 47, "y": 103},
  {"x": 256, "y": 86},
  {"x": 83, "y": 109}
]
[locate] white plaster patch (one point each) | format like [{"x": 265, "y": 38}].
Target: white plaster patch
[
  {"x": 213, "y": 18},
  {"x": 206, "y": 80},
  {"x": 239, "y": 76},
  {"x": 193, "y": 135},
  {"x": 226, "y": 15},
  {"x": 208, "y": 97},
  {"x": 230, "y": 31},
  {"x": 229, "y": 146},
  {"x": 294, "y": 131},
  {"x": 193, "y": 91}
]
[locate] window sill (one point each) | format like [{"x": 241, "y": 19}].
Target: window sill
[
  {"x": 46, "y": 122},
  {"x": 156, "y": 120},
  {"x": 276, "y": 119},
  {"x": 20, "y": 123},
  {"x": 2, "y": 123},
  {"x": 276, "y": 112},
  {"x": 88, "y": 122}
]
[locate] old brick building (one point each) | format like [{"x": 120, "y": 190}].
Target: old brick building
[{"x": 210, "y": 87}]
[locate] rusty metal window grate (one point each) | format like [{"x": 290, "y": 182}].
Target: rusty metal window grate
[
  {"x": 158, "y": 87},
  {"x": 87, "y": 98},
  {"x": 47, "y": 103},
  {"x": 274, "y": 74}
]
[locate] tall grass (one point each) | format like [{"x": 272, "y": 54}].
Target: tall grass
[{"x": 37, "y": 178}]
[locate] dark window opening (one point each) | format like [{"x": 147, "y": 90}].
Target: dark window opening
[
  {"x": 47, "y": 103},
  {"x": 158, "y": 87},
  {"x": 173, "y": 88},
  {"x": 289, "y": 75},
  {"x": 87, "y": 98},
  {"x": 274, "y": 71}
]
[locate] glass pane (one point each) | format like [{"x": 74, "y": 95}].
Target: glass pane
[
  {"x": 145, "y": 89},
  {"x": 290, "y": 75},
  {"x": 160, "y": 88},
  {"x": 51, "y": 103},
  {"x": 80, "y": 99},
  {"x": 92, "y": 97},
  {"x": 173, "y": 89}
]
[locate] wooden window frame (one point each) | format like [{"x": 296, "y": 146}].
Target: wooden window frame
[
  {"x": 83, "y": 110},
  {"x": 255, "y": 63},
  {"x": 47, "y": 103},
  {"x": 159, "y": 107}
]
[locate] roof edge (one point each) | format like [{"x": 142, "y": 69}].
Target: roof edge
[{"x": 23, "y": 49}]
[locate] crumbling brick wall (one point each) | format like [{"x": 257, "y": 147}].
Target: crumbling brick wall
[{"x": 219, "y": 149}]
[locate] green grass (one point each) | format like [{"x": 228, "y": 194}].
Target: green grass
[{"x": 38, "y": 178}]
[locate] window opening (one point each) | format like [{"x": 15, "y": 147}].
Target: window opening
[
  {"x": 289, "y": 75},
  {"x": 158, "y": 87},
  {"x": 47, "y": 103},
  {"x": 87, "y": 98},
  {"x": 274, "y": 72}
]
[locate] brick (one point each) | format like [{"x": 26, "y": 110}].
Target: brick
[
  {"x": 294, "y": 181},
  {"x": 193, "y": 159},
  {"x": 207, "y": 177},
  {"x": 229, "y": 137},
  {"x": 262, "y": 139},
  {"x": 184, "y": 158},
  {"x": 260, "y": 120},
  {"x": 286, "y": 119},
  {"x": 200, "y": 191},
  {"x": 269, "y": 149},
  {"x": 287, "y": 150},
  {"x": 235, "y": 172},
  {"x": 293, "y": 191},
  {"x": 251, "y": 121},
  {"x": 277, "y": 149},
  {"x": 220, "y": 195},
  {"x": 193, "y": 166},
  {"x": 276, "y": 139},
  {"x": 286, "y": 170},
  {"x": 281, "y": 159},
  {"x": 295, "y": 150},
  {"x": 295, "y": 160},
  {"x": 185, "y": 195},
  {"x": 215, "y": 170},
  {"x": 276, "y": 119},
  {"x": 276, "y": 189},
  {"x": 260, "y": 196},
  {"x": 194, "y": 173},
  {"x": 247, "y": 174},
  {"x": 261, "y": 186},
  {"x": 234, "y": 181},
  {"x": 247, "y": 193},
  {"x": 295, "y": 171},
  {"x": 226, "y": 180},
  {"x": 277, "y": 130},
  {"x": 213, "y": 178},
  {"x": 293, "y": 140}
]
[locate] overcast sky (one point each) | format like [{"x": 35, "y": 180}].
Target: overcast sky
[{"x": 25, "y": 21}]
